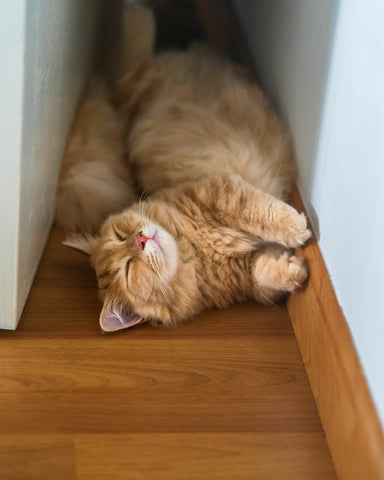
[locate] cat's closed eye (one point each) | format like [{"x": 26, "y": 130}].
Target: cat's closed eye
[
  {"x": 118, "y": 236},
  {"x": 127, "y": 267}
]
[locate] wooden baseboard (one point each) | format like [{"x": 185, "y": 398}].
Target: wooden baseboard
[{"x": 346, "y": 409}]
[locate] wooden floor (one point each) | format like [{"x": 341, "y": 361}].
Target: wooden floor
[{"x": 222, "y": 397}]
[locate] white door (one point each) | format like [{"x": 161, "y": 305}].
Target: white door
[{"x": 45, "y": 52}]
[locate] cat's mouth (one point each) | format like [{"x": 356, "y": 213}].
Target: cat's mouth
[
  {"x": 159, "y": 249},
  {"x": 143, "y": 241},
  {"x": 152, "y": 248}
]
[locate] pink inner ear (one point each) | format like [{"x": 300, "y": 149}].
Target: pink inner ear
[{"x": 113, "y": 318}]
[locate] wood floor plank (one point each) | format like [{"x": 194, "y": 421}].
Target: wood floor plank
[
  {"x": 120, "y": 412},
  {"x": 191, "y": 456},
  {"x": 216, "y": 395},
  {"x": 34, "y": 457},
  {"x": 268, "y": 365}
]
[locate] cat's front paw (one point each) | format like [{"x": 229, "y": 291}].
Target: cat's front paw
[{"x": 294, "y": 231}]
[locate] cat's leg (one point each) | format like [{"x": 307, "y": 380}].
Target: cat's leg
[
  {"x": 275, "y": 273},
  {"x": 138, "y": 77},
  {"x": 238, "y": 204},
  {"x": 139, "y": 35}
]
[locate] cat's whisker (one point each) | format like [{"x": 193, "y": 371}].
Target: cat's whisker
[
  {"x": 144, "y": 205},
  {"x": 166, "y": 286},
  {"x": 148, "y": 212},
  {"x": 163, "y": 282},
  {"x": 163, "y": 285},
  {"x": 141, "y": 207},
  {"x": 141, "y": 202},
  {"x": 153, "y": 261}
]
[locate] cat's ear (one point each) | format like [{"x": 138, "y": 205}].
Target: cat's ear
[
  {"x": 85, "y": 243},
  {"x": 113, "y": 317}
]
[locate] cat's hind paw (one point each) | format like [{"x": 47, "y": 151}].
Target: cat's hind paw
[{"x": 284, "y": 273}]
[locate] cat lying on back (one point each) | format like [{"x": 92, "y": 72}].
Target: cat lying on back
[{"x": 216, "y": 165}]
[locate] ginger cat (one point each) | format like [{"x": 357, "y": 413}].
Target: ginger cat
[{"x": 216, "y": 165}]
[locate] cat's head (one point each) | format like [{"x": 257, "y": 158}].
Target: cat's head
[{"x": 139, "y": 273}]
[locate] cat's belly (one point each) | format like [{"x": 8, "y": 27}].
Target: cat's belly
[{"x": 166, "y": 151}]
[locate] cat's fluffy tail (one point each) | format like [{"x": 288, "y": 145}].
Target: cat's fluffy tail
[{"x": 94, "y": 181}]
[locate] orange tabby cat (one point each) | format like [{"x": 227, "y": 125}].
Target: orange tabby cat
[{"x": 217, "y": 165}]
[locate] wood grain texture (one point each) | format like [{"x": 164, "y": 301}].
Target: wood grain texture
[
  {"x": 223, "y": 396},
  {"x": 342, "y": 396},
  {"x": 37, "y": 457},
  {"x": 174, "y": 456}
]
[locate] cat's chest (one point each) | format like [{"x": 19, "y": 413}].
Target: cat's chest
[
  {"x": 217, "y": 254},
  {"x": 213, "y": 241},
  {"x": 222, "y": 272},
  {"x": 210, "y": 240},
  {"x": 222, "y": 253}
]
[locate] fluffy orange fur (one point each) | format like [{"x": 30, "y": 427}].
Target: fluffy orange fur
[
  {"x": 94, "y": 181},
  {"x": 216, "y": 165}
]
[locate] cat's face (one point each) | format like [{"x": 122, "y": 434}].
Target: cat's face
[{"x": 135, "y": 262}]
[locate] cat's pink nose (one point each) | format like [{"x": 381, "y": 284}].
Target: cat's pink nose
[{"x": 141, "y": 240}]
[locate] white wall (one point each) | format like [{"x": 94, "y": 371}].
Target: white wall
[
  {"x": 330, "y": 88},
  {"x": 290, "y": 42},
  {"x": 48, "y": 46},
  {"x": 347, "y": 191}
]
